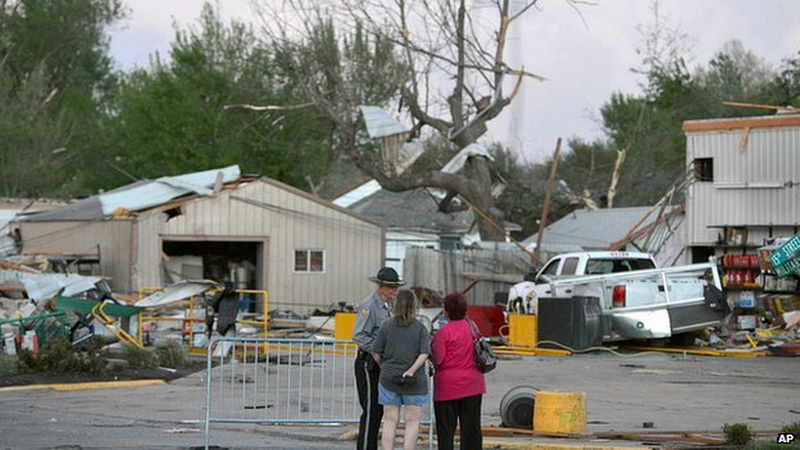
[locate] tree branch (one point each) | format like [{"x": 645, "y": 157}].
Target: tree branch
[{"x": 270, "y": 107}]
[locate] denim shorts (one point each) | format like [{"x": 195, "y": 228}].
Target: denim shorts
[{"x": 390, "y": 398}]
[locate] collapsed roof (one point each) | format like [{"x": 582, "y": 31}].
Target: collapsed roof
[{"x": 141, "y": 195}]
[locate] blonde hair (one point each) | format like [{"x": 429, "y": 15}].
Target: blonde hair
[{"x": 405, "y": 308}]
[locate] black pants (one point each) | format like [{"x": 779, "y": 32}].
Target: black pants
[
  {"x": 367, "y": 374},
  {"x": 464, "y": 411}
]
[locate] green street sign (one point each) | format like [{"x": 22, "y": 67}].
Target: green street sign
[
  {"x": 786, "y": 252},
  {"x": 788, "y": 268}
]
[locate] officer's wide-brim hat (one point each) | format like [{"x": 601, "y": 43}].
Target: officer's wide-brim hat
[{"x": 387, "y": 277}]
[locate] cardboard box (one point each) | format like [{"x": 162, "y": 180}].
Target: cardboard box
[{"x": 736, "y": 236}]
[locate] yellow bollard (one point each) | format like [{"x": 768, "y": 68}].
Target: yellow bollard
[
  {"x": 559, "y": 412},
  {"x": 343, "y": 326},
  {"x": 522, "y": 330}
]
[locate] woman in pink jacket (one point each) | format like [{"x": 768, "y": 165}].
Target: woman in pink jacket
[{"x": 458, "y": 384}]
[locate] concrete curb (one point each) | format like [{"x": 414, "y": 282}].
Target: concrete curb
[{"x": 84, "y": 386}]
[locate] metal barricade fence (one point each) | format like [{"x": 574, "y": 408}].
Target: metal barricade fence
[{"x": 282, "y": 381}]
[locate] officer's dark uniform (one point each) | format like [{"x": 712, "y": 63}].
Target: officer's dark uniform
[{"x": 372, "y": 312}]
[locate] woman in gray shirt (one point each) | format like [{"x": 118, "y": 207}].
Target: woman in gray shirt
[{"x": 401, "y": 347}]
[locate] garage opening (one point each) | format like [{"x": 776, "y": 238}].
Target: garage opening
[{"x": 234, "y": 261}]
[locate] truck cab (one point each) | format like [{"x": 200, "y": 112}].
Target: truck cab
[{"x": 593, "y": 263}]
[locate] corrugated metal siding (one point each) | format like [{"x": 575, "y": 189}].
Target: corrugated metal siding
[
  {"x": 113, "y": 237},
  {"x": 147, "y": 272},
  {"x": 353, "y": 247},
  {"x": 770, "y": 156}
]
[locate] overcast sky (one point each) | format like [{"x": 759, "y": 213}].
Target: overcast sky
[{"x": 585, "y": 57}]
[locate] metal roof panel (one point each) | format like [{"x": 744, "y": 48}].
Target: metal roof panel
[{"x": 380, "y": 124}]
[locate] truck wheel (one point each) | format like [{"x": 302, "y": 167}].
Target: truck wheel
[{"x": 516, "y": 407}]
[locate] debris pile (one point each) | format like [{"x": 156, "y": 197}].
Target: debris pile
[{"x": 41, "y": 300}]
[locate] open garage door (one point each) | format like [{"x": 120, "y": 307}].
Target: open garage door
[{"x": 240, "y": 262}]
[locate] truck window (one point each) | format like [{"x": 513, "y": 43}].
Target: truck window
[
  {"x": 606, "y": 266},
  {"x": 642, "y": 264},
  {"x": 599, "y": 266},
  {"x": 552, "y": 268},
  {"x": 570, "y": 264}
]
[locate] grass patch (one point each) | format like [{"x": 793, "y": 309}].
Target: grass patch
[
  {"x": 739, "y": 434},
  {"x": 793, "y": 428},
  {"x": 742, "y": 436}
]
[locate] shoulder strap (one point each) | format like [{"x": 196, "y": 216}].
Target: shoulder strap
[{"x": 473, "y": 328}]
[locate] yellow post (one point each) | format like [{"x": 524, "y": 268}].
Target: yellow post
[
  {"x": 559, "y": 412},
  {"x": 522, "y": 330},
  {"x": 343, "y": 325}
]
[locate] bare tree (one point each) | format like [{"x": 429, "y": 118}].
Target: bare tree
[{"x": 443, "y": 64}]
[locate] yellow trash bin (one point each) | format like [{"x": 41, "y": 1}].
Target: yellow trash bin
[
  {"x": 343, "y": 325},
  {"x": 522, "y": 330},
  {"x": 559, "y": 412}
]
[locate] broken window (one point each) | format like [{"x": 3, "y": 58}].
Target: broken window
[
  {"x": 704, "y": 169},
  {"x": 308, "y": 260}
]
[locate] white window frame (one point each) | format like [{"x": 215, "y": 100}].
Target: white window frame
[{"x": 308, "y": 256}]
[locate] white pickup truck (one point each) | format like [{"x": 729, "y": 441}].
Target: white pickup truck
[{"x": 637, "y": 300}]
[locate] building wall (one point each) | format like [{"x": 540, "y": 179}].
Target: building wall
[
  {"x": 147, "y": 273},
  {"x": 755, "y": 179},
  {"x": 112, "y": 239},
  {"x": 285, "y": 219}
]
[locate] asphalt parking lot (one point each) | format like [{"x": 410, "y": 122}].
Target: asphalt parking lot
[{"x": 668, "y": 392}]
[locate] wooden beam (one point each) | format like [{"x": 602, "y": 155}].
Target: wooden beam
[{"x": 789, "y": 120}]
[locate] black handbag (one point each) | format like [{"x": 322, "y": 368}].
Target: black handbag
[{"x": 485, "y": 358}]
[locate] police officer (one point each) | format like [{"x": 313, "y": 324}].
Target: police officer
[{"x": 373, "y": 311}]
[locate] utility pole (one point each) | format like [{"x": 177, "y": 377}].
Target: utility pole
[{"x": 546, "y": 208}]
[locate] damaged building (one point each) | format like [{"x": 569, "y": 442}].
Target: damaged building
[{"x": 217, "y": 224}]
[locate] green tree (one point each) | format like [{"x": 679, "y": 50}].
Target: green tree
[
  {"x": 524, "y": 186},
  {"x": 735, "y": 74},
  {"x": 32, "y": 135},
  {"x": 194, "y": 112},
  {"x": 648, "y": 126},
  {"x": 336, "y": 72},
  {"x": 54, "y": 75},
  {"x": 585, "y": 173},
  {"x": 784, "y": 88}
]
